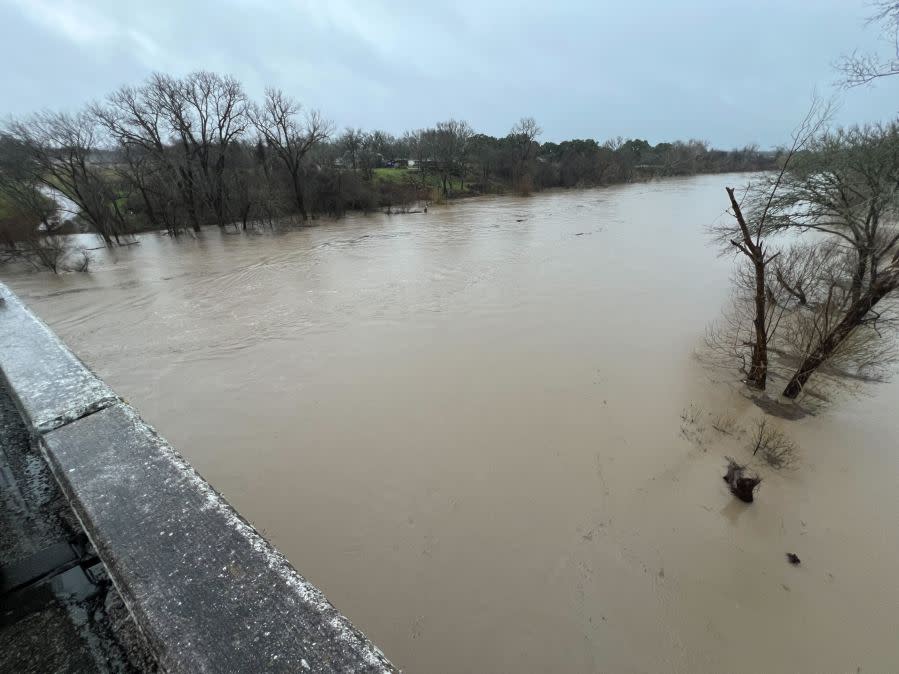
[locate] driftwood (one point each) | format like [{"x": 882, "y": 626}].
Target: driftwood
[{"x": 742, "y": 483}]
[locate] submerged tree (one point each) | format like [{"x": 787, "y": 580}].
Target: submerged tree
[
  {"x": 206, "y": 113},
  {"x": 178, "y": 153},
  {"x": 291, "y": 139},
  {"x": 846, "y": 188},
  {"x": 135, "y": 118},
  {"x": 28, "y": 222},
  {"x": 64, "y": 151},
  {"x": 747, "y": 236}
]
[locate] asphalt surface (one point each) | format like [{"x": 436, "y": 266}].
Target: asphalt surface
[{"x": 58, "y": 610}]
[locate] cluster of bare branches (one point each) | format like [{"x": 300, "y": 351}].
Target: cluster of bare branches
[
  {"x": 824, "y": 301},
  {"x": 180, "y": 153},
  {"x": 746, "y": 235},
  {"x": 58, "y": 149},
  {"x": 772, "y": 445},
  {"x": 29, "y": 226},
  {"x": 821, "y": 285},
  {"x": 864, "y": 67},
  {"x": 725, "y": 424}
]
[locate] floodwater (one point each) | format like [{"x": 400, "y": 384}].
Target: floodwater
[{"x": 466, "y": 427}]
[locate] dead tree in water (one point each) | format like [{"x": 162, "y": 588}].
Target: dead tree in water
[{"x": 742, "y": 484}]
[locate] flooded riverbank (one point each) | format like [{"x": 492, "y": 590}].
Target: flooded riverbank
[{"x": 465, "y": 427}]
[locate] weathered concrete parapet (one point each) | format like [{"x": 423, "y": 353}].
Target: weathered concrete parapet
[
  {"x": 206, "y": 590},
  {"x": 50, "y": 385}
]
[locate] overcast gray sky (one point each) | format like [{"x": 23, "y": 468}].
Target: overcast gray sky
[{"x": 728, "y": 72}]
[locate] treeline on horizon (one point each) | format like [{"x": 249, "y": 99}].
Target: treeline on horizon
[{"x": 178, "y": 153}]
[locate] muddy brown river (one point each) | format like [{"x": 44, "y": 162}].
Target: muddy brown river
[{"x": 466, "y": 427}]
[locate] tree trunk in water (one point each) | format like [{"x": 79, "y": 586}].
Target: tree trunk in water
[
  {"x": 758, "y": 371},
  {"x": 885, "y": 283},
  {"x": 858, "y": 278},
  {"x": 187, "y": 190},
  {"x": 298, "y": 194},
  {"x": 148, "y": 205},
  {"x": 219, "y": 199}
]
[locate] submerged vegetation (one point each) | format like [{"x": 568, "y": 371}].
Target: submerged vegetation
[
  {"x": 817, "y": 250},
  {"x": 819, "y": 243},
  {"x": 176, "y": 154}
]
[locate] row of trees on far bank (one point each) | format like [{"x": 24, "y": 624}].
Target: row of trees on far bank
[{"x": 180, "y": 153}]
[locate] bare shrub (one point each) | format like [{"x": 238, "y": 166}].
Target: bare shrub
[
  {"x": 725, "y": 424},
  {"x": 774, "y": 447}
]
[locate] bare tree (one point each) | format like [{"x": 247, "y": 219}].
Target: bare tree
[
  {"x": 747, "y": 238},
  {"x": 18, "y": 185},
  {"x": 351, "y": 142},
  {"x": 448, "y": 144},
  {"x": 224, "y": 99},
  {"x": 28, "y": 220},
  {"x": 63, "y": 149},
  {"x": 524, "y": 136},
  {"x": 846, "y": 186},
  {"x": 751, "y": 245},
  {"x": 290, "y": 139},
  {"x": 206, "y": 112},
  {"x": 136, "y": 120}
]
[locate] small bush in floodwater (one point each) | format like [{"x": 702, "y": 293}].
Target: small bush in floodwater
[
  {"x": 777, "y": 450},
  {"x": 726, "y": 424}
]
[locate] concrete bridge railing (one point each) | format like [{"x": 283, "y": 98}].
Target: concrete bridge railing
[{"x": 208, "y": 593}]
